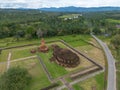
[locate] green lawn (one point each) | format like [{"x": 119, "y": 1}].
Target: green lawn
[
  {"x": 22, "y": 52},
  {"x": 96, "y": 82},
  {"x": 39, "y": 78}
]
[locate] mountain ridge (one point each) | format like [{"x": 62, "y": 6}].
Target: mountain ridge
[{"x": 80, "y": 9}]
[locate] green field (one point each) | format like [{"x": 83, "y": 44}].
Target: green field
[
  {"x": 113, "y": 21},
  {"x": 22, "y": 52}
]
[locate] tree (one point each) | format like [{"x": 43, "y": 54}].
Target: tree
[
  {"x": 116, "y": 43},
  {"x": 96, "y": 30},
  {"x": 15, "y": 78}
]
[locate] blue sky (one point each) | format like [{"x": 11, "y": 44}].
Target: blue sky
[{"x": 56, "y": 3}]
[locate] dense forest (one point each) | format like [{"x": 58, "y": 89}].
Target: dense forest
[{"x": 35, "y": 23}]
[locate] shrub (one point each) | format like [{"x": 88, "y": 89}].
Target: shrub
[{"x": 15, "y": 78}]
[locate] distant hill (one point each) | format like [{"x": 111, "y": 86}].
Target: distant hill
[{"x": 80, "y": 9}]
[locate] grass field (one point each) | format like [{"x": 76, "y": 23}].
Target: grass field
[
  {"x": 94, "y": 53},
  {"x": 96, "y": 82},
  {"x": 39, "y": 78},
  {"x": 22, "y": 52},
  {"x": 113, "y": 21}
]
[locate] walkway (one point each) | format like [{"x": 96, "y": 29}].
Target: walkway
[{"x": 8, "y": 60}]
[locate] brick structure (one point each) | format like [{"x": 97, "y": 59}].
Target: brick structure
[
  {"x": 43, "y": 47},
  {"x": 65, "y": 57}
]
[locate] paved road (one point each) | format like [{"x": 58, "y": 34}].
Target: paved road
[{"x": 111, "y": 85}]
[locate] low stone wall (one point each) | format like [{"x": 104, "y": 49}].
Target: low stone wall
[
  {"x": 85, "y": 73},
  {"x": 81, "y": 54},
  {"x": 50, "y": 87}
]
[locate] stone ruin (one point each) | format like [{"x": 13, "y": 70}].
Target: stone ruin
[
  {"x": 64, "y": 57},
  {"x": 42, "y": 48}
]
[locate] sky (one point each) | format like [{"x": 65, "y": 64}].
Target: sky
[{"x": 57, "y": 3}]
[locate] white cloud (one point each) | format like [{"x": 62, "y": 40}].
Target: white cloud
[{"x": 57, "y": 3}]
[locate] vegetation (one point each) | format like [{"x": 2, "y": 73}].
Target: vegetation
[
  {"x": 15, "y": 79},
  {"x": 39, "y": 78},
  {"x": 19, "y": 27},
  {"x": 116, "y": 44}
]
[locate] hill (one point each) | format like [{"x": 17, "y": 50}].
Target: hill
[{"x": 80, "y": 9}]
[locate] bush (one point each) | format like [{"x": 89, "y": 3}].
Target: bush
[{"x": 15, "y": 78}]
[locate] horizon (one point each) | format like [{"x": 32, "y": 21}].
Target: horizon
[
  {"x": 57, "y": 3},
  {"x": 64, "y": 7}
]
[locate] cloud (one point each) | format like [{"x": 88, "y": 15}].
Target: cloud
[{"x": 56, "y": 3}]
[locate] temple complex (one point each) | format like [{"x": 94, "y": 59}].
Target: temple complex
[
  {"x": 43, "y": 47},
  {"x": 64, "y": 57}
]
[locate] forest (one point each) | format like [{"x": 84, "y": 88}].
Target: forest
[{"x": 35, "y": 23}]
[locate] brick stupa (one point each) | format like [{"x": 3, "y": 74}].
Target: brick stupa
[{"x": 43, "y": 48}]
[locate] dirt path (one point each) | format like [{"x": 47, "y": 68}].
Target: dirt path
[
  {"x": 24, "y": 58},
  {"x": 8, "y": 60}
]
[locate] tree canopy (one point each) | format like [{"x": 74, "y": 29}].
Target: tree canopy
[{"x": 15, "y": 78}]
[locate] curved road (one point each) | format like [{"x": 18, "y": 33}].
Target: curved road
[{"x": 111, "y": 85}]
